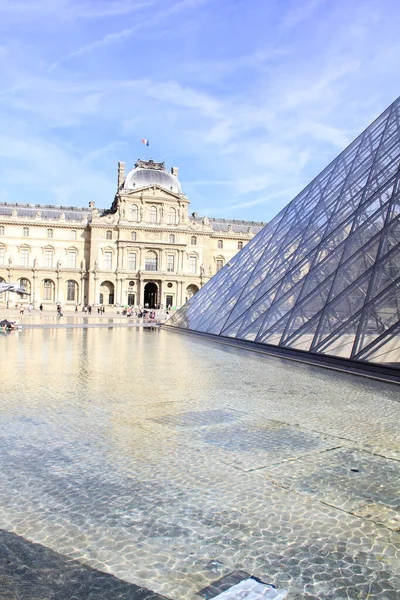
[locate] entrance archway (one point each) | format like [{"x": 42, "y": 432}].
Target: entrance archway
[
  {"x": 151, "y": 295},
  {"x": 191, "y": 290},
  {"x": 106, "y": 295}
]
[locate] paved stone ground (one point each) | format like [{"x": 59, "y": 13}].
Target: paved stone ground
[
  {"x": 33, "y": 572},
  {"x": 169, "y": 463}
]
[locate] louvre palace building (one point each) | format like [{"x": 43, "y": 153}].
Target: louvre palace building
[{"x": 145, "y": 250}]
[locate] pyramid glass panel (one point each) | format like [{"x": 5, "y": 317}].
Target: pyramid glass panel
[{"x": 323, "y": 277}]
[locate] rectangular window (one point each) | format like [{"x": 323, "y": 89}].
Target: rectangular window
[
  {"x": 108, "y": 260},
  {"x": 72, "y": 259},
  {"x": 24, "y": 257},
  {"x": 132, "y": 261},
  {"x": 170, "y": 263},
  {"x": 169, "y": 300},
  {"x": 47, "y": 289},
  {"x": 150, "y": 263},
  {"x": 71, "y": 291},
  {"x": 240, "y": 245},
  {"x": 2, "y": 255},
  {"x": 26, "y": 231},
  {"x": 72, "y": 234},
  {"x": 48, "y": 258},
  {"x": 192, "y": 264},
  {"x": 1, "y": 230},
  {"x": 49, "y": 233},
  {"x": 220, "y": 264}
]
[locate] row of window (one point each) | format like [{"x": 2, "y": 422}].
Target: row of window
[
  {"x": 152, "y": 215},
  {"x": 49, "y": 289},
  {"x": 151, "y": 260},
  {"x": 72, "y": 236},
  {"x": 50, "y": 232},
  {"x": 48, "y": 258}
]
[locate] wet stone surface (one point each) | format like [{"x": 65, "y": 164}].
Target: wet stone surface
[
  {"x": 348, "y": 479},
  {"x": 33, "y": 572},
  {"x": 170, "y": 476}
]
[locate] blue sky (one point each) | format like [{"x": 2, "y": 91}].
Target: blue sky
[{"x": 249, "y": 98}]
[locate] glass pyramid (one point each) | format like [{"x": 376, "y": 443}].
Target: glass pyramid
[{"x": 323, "y": 277}]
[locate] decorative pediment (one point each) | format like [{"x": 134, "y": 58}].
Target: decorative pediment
[{"x": 150, "y": 192}]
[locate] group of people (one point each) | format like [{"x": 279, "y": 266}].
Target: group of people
[
  {"x": 144, "y": 313},
  {"x": 87, "y": 308}
]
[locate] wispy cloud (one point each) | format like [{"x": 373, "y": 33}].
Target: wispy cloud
[
  {"x": 126, "y": 33},
  {"x": 250, "y": 100}
]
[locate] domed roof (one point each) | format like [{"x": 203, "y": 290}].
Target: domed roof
[{"x": 148, "y": 173}]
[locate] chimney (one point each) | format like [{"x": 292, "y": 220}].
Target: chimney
[
  {"x": 121, "y": 174},
  {"x": 174, "y": 171}
]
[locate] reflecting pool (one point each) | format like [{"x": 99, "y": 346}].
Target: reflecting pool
[{"x": 170, "y": 462}]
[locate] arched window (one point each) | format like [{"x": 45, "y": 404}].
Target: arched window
[
  {"x": 134, "y": 213},
  {"x": 26, "y": 231},
  {"x": 172, "y": 239},
  {"x": 108, "y": 235},
  {"x": 172, "y": 216},
  {"x": 153, "y": 214},
  {"x": 193, "y": 240},
  {"x": 26, "y": 284},
  {"x": 220, "y": 244},
  {"x": 48, "y": 290},
  {"x": 72, "y": 291},
  {"x": 133, "y": 236},
  {"x": 240, "y": 245},
  {"x": 151, "y": 261},
  {"x": 220, "y": 264}
]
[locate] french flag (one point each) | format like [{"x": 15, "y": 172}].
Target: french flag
[{"x": 145, "y": 142}]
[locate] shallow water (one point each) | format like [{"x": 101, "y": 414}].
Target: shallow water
[{"x": 170, "y": 462}]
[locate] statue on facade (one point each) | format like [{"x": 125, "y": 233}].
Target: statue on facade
[
  {"x": 58, "y": 264},
  {"x": 202, "y": 271}
]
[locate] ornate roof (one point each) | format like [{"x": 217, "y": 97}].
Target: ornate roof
[
  {"x": 148, "y": 172},
  {"x": 71, "y": 213}
]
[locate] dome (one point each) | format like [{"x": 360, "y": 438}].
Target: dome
[{"x": 148, "y": 173}]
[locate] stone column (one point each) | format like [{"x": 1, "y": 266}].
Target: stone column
[
  {"x": 95, "y": 289},
  {"x": 161, "y": 300},
  {"x": 121, "y": 292},
  {"x": 116, "y": 288},
  {"x": 81, "y": 295},
  {"x": 139, "y": 290},
  {"x": 33, "y": 290}
]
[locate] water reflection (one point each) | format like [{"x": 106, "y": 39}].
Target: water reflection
[{"x": 134, "y": 451}]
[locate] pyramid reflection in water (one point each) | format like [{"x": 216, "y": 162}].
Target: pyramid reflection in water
[{"x": 324, "y": 275}]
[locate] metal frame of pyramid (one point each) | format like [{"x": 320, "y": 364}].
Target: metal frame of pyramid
[{"x": 322, "y": 280}]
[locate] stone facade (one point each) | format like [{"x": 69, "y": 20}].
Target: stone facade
[{"x": 145, "y": 249}]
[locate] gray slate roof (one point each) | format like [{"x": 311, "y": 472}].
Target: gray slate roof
[
  {"x": 235, "y": 226},
  {"x": 71, "y": 213}
]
